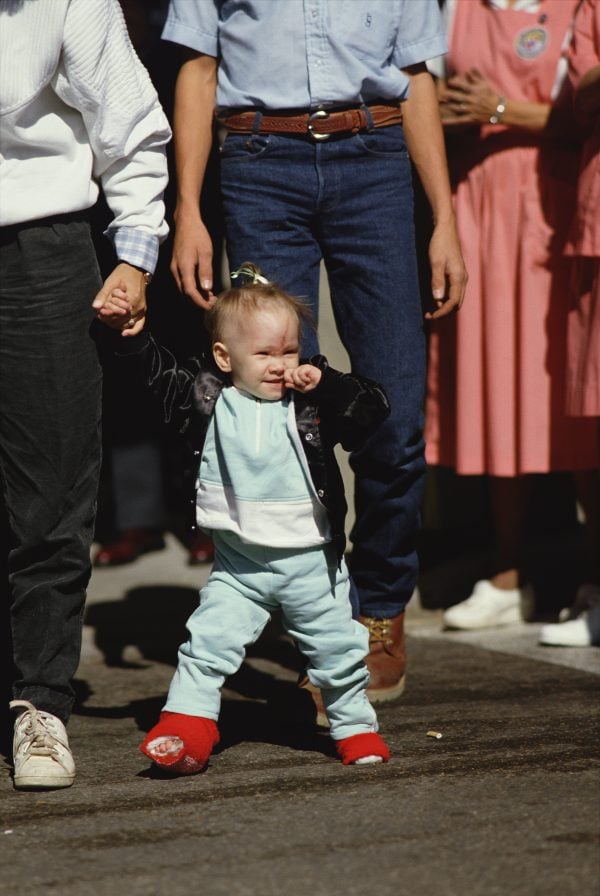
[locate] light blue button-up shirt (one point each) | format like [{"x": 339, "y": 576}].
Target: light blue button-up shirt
[{"x": 302, "y": 54}]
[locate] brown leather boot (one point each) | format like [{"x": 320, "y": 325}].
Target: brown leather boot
[{"x": 386, "y": 660}]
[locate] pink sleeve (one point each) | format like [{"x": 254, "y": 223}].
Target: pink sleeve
[{"x": 584, "y": 53}]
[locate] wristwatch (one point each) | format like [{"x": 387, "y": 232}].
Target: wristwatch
[
  {"x": 147, "y": 276},
  {"x": 496, "y": 118}
]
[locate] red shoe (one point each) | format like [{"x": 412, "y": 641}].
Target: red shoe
[
  {"x": 192, "y": 737},
  {"x": 131, "y": 545},
  {"x": 201, "y": 549},
  {"x": 362, "y": 749}
]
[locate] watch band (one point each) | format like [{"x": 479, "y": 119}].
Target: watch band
[
  {"x": 147, "y": 276},
  {"x": 496, "y": 118}
]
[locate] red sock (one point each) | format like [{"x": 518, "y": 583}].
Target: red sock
[
  {"x": 360, "y": 745},
  {"x": 199, "y": 736}
]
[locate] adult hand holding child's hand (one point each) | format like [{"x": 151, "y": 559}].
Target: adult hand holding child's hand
[
  {"x": 116, "y": 311},
  {"x": 121, "y": 303}
]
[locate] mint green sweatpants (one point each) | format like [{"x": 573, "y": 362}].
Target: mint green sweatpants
[{"x": 246, "y": 584}]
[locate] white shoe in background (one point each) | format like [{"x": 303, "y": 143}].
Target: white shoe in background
[
  {"x": 490, "y": 607},
  {"x": 41, "y": 754},
  {"x": 573, "y": 633}
]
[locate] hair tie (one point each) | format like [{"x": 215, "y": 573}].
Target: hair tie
[{"x": 248, "y": 275}]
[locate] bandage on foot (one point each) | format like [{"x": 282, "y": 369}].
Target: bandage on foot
[
  {"x": 362, "y": 749},
  {"x": 181, "y": 743}
]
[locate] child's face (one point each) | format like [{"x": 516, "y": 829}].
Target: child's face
[{"x": 257, "y": 350}]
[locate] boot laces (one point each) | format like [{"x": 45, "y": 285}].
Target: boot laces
[{"x": 380, "y": 629}]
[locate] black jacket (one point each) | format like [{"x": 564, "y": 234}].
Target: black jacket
[{"x": 343, "y": 408}]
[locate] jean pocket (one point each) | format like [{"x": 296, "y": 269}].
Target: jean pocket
[
  {"x": 245, "y": 146},
  {"x": 384, "y": 142}
]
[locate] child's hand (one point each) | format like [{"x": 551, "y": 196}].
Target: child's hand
[
  {"x": 132, "y": 281},
  {"x": 117, "y": 310},
  {"x": 303, "y": 378}
]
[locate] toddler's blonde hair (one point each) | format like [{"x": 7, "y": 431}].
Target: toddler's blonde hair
[{"x": 255, "y": 294}]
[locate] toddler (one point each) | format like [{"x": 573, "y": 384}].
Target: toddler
[{"x": 263, "y": 426}]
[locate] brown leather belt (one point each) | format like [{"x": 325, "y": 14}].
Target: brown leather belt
[{"x": 319, "y": 125}]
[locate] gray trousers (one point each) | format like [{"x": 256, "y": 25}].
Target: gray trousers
[{"x": 50, "y": 405}]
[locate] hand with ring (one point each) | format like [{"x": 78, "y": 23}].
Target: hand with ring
[{"x": 467, "y": 100}]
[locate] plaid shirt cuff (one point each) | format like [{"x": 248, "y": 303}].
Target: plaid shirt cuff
[{"x": 136, "y": 248}]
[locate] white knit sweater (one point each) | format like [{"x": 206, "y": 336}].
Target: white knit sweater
[{"x": 78, "y": 107}]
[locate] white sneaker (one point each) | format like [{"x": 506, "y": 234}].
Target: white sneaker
[
  {"x": 573, "y": 633},
  {"x": 41, "y": 754},
  {"x": 489, "y": 607}
]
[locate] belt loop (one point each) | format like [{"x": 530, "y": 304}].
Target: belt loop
[
  {"x": 369, "y": 117},
  {"x": 256, "y": 123}
]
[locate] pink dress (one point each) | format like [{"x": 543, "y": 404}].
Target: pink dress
[
  {"x": 583, "y": 330},
  {"x": 496, "y": 384}
]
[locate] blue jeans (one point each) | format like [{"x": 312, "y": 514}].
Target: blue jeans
[
  {"x": 50, "y": 395},
  {"x": 247, "y": 583},
  {"x": 290, "y": 202}
]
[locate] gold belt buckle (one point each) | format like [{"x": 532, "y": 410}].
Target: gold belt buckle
[{"x": 319, "y": 114}]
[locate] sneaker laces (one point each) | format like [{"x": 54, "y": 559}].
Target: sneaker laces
[{"x": 41, "y": 741}]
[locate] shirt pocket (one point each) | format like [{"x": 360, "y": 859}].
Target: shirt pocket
[{"x": 365, "y": 29}]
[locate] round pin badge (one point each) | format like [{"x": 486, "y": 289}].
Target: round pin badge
[{"x": 531, "y": 42}]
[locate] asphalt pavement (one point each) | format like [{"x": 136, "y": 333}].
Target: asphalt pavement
[{"x": 505, "y": 802}]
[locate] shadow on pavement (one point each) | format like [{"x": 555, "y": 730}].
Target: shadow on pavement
[{"x": 257, "y": 705}]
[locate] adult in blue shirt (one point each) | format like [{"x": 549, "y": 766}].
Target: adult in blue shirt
[{"x": 322, "y": 101}]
